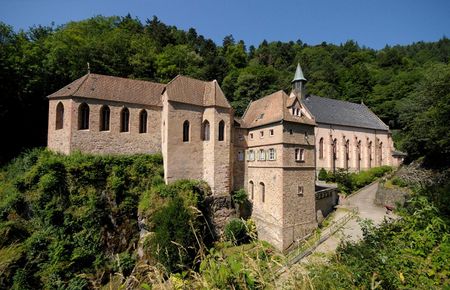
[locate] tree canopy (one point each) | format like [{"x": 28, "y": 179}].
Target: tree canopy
[{"x": 407, "y": 86}]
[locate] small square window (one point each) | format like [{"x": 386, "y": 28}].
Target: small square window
[
  {"x": 251, "y": 135},
  {"x": 251, "y": 155},
  {"x": 291, "y": 131},
  {"x": 240, "y": 155},
  {"x": 300, "y": 190},
  {"x": 261, "y": 134},
  {"x": 271, "y": 132}
]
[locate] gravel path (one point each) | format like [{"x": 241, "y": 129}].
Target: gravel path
[{"x": 364, "y": 202}]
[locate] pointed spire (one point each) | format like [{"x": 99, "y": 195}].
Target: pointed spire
[{"x": 298, "y": 74}]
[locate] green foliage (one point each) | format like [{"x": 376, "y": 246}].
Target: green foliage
[
  {"x": 177, "y": 222},
  {"x": 407, "y": 86},
  {"x": 409, "y": 253},
  {"x": 349, "y": 182},
  {"x": 63, "y": 219},
  {"x": 323, "y": 175},
  {"x": 236, "y": 231},
  {"x": 240, "y": 196}
]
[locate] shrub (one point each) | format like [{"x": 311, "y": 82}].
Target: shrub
[
  {"x": 240, "y": 196},
  {"x": 399, "y": 182},
  {"x": 323, "y": 174},
  {"x": 236, "y": 231},
  {"x": 174, "y": 241}
]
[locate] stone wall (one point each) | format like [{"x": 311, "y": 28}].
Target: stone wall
[
  {"x": 58, "y": 140},
  {"x": 353, "y": 135},
  {"x": 92, "y": 140},
  {"x": 326, "y": 200},
  {"x": 390, "y": 196}
]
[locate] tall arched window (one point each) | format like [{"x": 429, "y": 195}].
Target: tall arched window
[
  {"x": 251, "y": 189},
  {"x": 186, "y": 131},
  {"x": 321, "y": 148},
  {"x": 143, "y": 121},
  {"x": 83, "y": 116},
  {"x": 221, "y": 130},
  {"x": 125, "y": 120},
  {"x": 59, "y": 123},
  {"x": 358, "y": 155},
  {"x": 205, "y": 131},
  {"x": 380, "y": 156},
  {"x": 369, "y": 154},
  {"x": 263, "y": 191},
  {"x": 347, "y": 154},
  {"x": 105, "y": 115},
  {"x": 334, "y": 153}
]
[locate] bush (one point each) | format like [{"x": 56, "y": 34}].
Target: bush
[
  {"x": 399, "y": 182},
  {"x": 240, "y": 196},
  {"x": 236, "y": 231},
  {"x": 323, "y": 175},
  {"x": 349, "y": 182}
]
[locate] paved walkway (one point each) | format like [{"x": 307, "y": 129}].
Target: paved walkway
[{"x": 364, "y": 202}]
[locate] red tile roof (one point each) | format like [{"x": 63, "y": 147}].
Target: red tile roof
[
  {"x": 192, "y": 91},
  {"x": 111, "y": 88},
  {"x": 270, "y": 109}
]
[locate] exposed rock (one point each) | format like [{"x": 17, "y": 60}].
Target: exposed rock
[{"x": 219, "y": 211}]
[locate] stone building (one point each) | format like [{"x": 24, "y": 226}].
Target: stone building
[{"x": 273, "y": 151}]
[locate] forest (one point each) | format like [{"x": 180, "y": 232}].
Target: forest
[
  {"x": 88, "y": 222},
  {"x": 408, "y": 87}
]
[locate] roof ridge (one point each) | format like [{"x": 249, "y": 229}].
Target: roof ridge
[{"x": 86, "y": 76}]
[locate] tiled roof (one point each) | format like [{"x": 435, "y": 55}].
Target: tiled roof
[
  {"x": 270, "y": 109},
  {"x": 110, "y": 88},
  {"x": 339, "y": 112},
  {"x": 192, "y": 91}
]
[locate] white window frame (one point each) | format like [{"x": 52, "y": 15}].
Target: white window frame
[
  {"x": 262, "y": 155},
  {"x": 299, "y": 154},
  {"x": 251, "y": 155},
  {"x": 272, "y": 154}
]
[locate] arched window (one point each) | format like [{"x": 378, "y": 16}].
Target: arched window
[
  {"x": 334, "y": 154},
  {"x": 358, "y": 155},
  {"x": 347, "y": 154},
  {"x": 186, "y": 131},
  {"x": 321, "y": 148},
  {"x": 263, "y": 191},
  {"x": 369, "y": 154},
  {"x": 221, "y": 130},
  {"x": 83, "y": 117},
  {"x": 59, "y": 116},
  {"x": 125, "y": 120},
  {"x": 380, "y": 156},
  {"x": 143, "y": 121},
  {"x": 251, "y": 189},
  {"x": 205, "y": 131},
  {"x": 105, "y": 114}
]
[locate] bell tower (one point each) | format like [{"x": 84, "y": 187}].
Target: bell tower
[{"x": 299, "y": 81}]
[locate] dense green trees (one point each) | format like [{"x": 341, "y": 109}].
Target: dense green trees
[{"x": 394, "y": 81}]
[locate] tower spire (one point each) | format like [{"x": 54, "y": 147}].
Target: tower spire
[{"x": 299, "y": 81}]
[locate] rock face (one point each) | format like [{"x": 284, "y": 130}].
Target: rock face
[
  {"x": 390, "y": 196},
  {"x": 219, "y": 210}
]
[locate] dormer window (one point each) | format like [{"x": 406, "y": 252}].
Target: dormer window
[
  {"x": 251, "y": 135},
  {"x": 271, "y": 132},
  {"x": 261, "y": 134}
]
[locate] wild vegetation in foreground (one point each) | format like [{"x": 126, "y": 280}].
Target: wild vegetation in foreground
[{"x": 82, "y": 221}]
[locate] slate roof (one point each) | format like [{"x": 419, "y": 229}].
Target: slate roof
[
  {"x": 270, "y": 109},
  {"x": 111, "y": 88},
  {"x": 192, "y": 91},
  {"x": 331, "y": 111}
]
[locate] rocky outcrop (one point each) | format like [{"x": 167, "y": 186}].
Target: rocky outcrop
[{"x": 219, "y": 210}]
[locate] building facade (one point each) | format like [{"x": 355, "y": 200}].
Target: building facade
[{"x": 273, "y": 151}]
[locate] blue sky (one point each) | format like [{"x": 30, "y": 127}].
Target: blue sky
[{"x": 373, "y": 23}]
